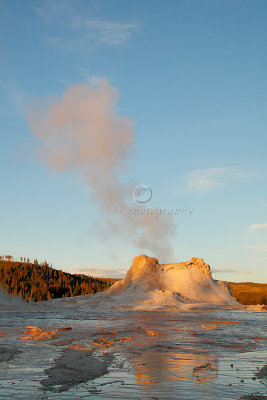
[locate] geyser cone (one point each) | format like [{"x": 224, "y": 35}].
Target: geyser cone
[{"x": 150, "y": 284}]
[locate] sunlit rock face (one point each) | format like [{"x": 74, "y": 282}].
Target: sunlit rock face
[
  {"x": 149, "y": 283},
  {"x": 144, "y": 272},
  {"x": 147, "y": 271}
]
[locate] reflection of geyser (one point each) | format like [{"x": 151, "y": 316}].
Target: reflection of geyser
[
  {"x": 153, "y": 366},
  {"x": 166, "y": 348}
]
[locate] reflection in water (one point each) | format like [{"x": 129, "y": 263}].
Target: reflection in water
[
  {"x": 152, "y": 368},
  {"x": 176, "y": 350},
  {"x": 167, "y": 356},
  {"x": 174, "y": 355}
]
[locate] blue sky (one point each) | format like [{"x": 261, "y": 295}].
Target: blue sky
[{"x": 192, "y": 79}]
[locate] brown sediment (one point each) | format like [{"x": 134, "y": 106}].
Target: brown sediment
[
  {"x": 258, "y": 338},
  {"x": 225, "y": 322},
  {"x": 137, "y": 329},
  {"x": 104, "y": 332},
  {"x": 232, "y": 346},
  {"x": 2, "y": 334},
  {"x": 210, "y": 327},
  {"x": 191, "y": 332},
  {"x": 124, "y": 339},
  {"x": 64, "y": 329},
  {"x": 102, "y": 342},
  {"x": 152, "y": 332},
  {"x": 80, "y": 347},
  {"x": 210, "y": 341},
  {"x": 35, "y": 333},
  {"x": 173, "y": 320}
]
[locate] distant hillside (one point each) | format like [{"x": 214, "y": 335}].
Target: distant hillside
[
  {"x": 248, "y": 292},
  {"x": 37, "y": 282}
]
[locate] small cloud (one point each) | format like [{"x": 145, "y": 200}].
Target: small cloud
[
  {"x": 82, "y": 30},
  {"x": 257, "y": 227},
  {"x": 94, "y": 33},
  {"x": 230, "y": 271},
  {"x": 86, "y": 75},
  {"x": 109, "y": 32},
  {"x": 203, "y": 180},
  {"x": 14, "y": 95},
  {"x": 258, "y": 246},
  {"x": 100, "y": 272},
  {"x": 51, "y": 10}
]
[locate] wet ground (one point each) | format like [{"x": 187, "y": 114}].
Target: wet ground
[{"x": 75, "y": 354}]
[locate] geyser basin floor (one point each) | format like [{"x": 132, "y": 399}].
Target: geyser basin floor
[{"x": 134, "y": 355}]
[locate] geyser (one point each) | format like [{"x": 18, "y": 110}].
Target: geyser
[{"x": 150, "y": 284}]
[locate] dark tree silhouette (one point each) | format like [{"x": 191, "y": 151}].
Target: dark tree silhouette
[{"x": 34, "y": 281}]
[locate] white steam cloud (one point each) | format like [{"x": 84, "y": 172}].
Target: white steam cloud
[
  {"x": 82, "y": 131},
  {"x": 8, "y": 302}
]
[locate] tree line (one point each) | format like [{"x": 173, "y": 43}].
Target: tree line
[
  {"x": 40, "y": 281},
  {"x": 249, "y": 293}
]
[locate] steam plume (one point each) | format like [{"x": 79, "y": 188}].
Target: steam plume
[
  {"x": 82, "y": 131},
  {"x": 7, "y": 301}
]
